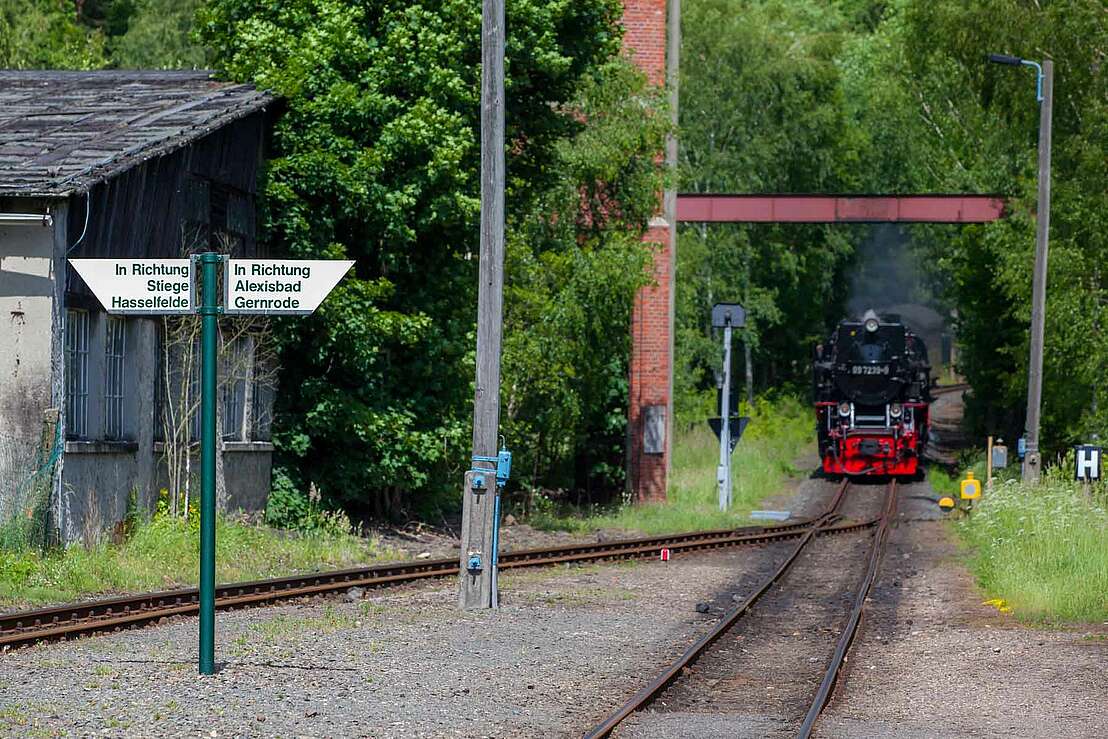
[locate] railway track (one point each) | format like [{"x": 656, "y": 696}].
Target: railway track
[
  {"x": 680, "y": 669},
  {"x": 23, "y": 628}
]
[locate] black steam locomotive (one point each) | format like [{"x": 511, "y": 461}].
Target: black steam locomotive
[{"x": 873, "y": 390}]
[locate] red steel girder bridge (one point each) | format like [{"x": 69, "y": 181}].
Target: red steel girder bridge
[{"x": 957, "y": 208}]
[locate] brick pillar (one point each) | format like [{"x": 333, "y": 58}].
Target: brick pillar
[{"x": 650, "y": 412}]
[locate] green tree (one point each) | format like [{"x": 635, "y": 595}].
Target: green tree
[
  {"x": 575, "y": 260},
  {"x": 46, "y": 34},
  {"x": 157, "y": 34},
  {"x": 761, "y": 111},
  {"x": 978, "y": 126},
  {"x": 377, "y": 160}
]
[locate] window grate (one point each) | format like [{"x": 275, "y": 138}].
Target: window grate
[
  {"x": 237, "y": 357},
  {"x": 114, "y": 349},
  {"x": 76, "y": 373}
]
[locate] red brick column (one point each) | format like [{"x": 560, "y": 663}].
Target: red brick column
[
  {"x": 650, "y": 413},
  {"x": 650, "y": 409}
]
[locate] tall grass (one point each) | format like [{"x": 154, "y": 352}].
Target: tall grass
[
  {"x": 164, "y": 553},
  {"x": 1043, "y": 549},
  {"x": 779, "y": 432}
]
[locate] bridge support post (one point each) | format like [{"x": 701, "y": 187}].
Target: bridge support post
[
  {"x": 651, "y": 407},
  {"x": 650, "y": 410}
]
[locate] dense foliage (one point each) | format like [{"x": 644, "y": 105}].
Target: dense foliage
[
  {"x": 897, "y": 97},
  {"x": 377, "y": 157},
  {"x": 974, "y": 127},
  {"x": 377, "y": 160},
  {"x": 762, "y": 110},
  {"x": 90, "y": 34}
]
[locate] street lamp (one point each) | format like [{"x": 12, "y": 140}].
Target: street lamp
[{"x": 1044, "y": 93}]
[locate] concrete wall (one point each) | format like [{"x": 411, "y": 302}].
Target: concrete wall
[
  {"x": 27, "y": 287},
  {"x": 99, "y": 476}
]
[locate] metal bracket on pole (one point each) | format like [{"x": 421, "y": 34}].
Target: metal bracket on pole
[{"x": 1039, "y": 78}]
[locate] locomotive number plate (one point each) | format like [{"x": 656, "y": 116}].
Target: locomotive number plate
[{"x": 869, "y": 369}]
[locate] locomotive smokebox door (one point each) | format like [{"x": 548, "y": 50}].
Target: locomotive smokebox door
[
  {"x": 724, "y": 314},
  {"x": 869, "y": 448}
]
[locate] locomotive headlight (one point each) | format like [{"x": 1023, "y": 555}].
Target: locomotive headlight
[
  {"x": 895, "y": 410},
  {"x": 871, "y": 325},
  {"x": 844, "y": 409}
]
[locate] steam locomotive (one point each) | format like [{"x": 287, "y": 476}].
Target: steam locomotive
[{"x": 872, "y": 390}]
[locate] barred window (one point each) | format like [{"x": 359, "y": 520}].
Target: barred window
[
  {"x": 76, "y": 373},
  {"x": 261, "y": 407},
  {"x": 237, "y": 359},
  {"x": 194, "y": 399},
  {"x": 115, "y": 340},
  {"x": 160, "y": 381}
]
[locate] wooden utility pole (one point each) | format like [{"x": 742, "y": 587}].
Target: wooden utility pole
[
  {"x": 477, "y": 585},
  {"x": 673, "y": 79},
  {"x": 1032, "y": 462}
]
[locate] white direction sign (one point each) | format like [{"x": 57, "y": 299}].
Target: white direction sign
[
  {"x": 280, "y": 286},
  {"x": 139, "y": 285}
]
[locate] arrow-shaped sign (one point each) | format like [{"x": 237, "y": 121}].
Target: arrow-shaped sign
[
  {"x": 735, "y": 428},
  {"x": 280, "y": 286},
  {"x": 139, "y": 285}
]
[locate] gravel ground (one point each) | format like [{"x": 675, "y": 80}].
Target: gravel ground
[
  {"x": 933, "y": 660},
  {"x": 567, "y": 646},
  {"x": 414, "y": 541},
  {"x": 759, "y": 678}
]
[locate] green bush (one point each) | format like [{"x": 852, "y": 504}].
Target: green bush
[{"x": 288, "y": 507}]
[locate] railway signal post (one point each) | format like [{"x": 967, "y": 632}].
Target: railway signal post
[
  {"x": 250, "y": 287},
  {"x": 477, "y": 571},
  {"x": 726, "y": 316},
  {"x": 1044, "y": 85}
]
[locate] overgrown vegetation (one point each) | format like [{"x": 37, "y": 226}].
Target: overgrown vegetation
[
  {"x": 91, "y": 34},
  {"x": 164, "y": 552},
  {"x": 780, "y": 431},
  {"x": 377, "y": 160},
  {"x": 1043, "y": 550}
]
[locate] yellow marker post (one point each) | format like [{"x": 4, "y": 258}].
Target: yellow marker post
[
  {"x": 971, "y": 487},
  {"x": 946, "y": 503}
]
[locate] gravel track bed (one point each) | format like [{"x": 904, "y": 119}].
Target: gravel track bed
[
  {"x": 760, "y": 677},
  {"x": 568, "y": 645},
  {"x": 932, "y": 660}
]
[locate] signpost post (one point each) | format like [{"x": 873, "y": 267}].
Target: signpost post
[
  {"x": 209, "y": 333},
  {"x": 726, "y": 316},
  {"x": 251, "y": 286}
]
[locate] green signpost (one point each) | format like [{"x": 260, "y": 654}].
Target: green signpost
[
  {"x": 251, "y": 286},
  {"x": 209, "y": 349}
]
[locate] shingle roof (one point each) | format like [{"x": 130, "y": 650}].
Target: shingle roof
[{"x": 62, "y": 132}]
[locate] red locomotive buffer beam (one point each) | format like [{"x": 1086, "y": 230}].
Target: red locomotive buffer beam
[{"x": 708, "y": 208}]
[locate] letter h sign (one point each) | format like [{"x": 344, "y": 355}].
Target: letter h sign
[{"x": 1087, "y": 463}]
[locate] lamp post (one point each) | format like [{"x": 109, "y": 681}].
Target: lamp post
[{"x": 1044, "y": 87}]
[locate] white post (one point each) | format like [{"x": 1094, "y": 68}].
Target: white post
[{"x": 723, "y": 473}]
